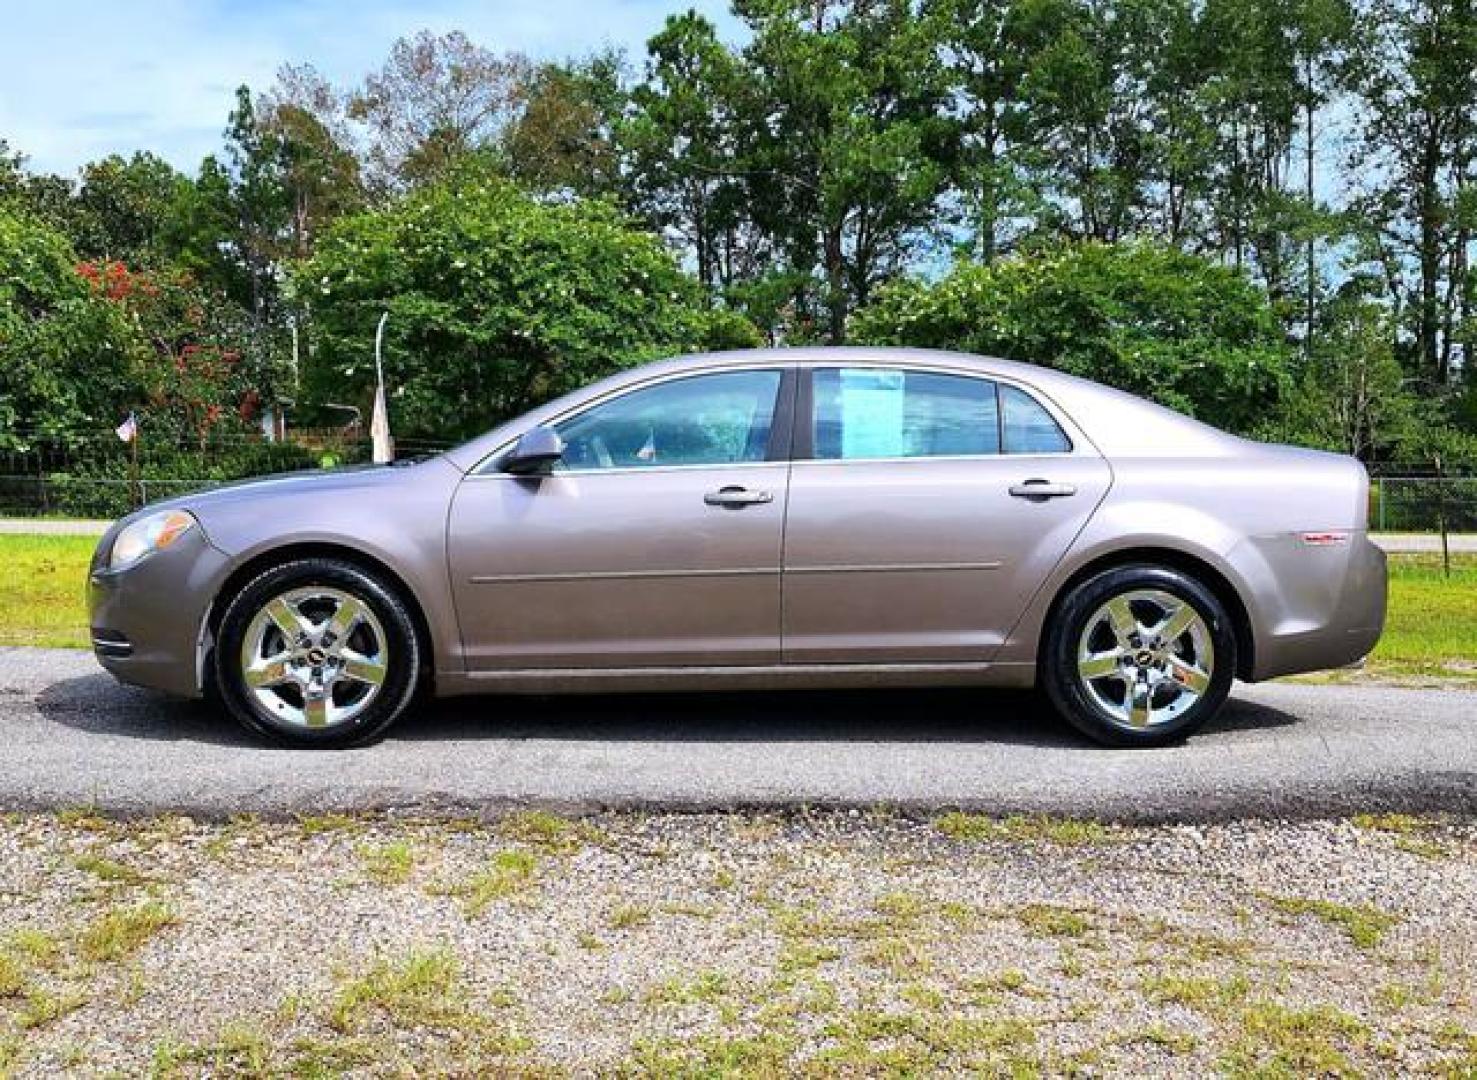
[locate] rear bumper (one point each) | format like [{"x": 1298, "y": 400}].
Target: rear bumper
[
  {"x": 1318, "y": 607},
  {"x": 148, "y": 620}
]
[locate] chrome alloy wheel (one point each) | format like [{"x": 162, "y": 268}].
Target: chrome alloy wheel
[
  {"x": 314, "y": 656},
  {"x": 1145, "y": 657}
]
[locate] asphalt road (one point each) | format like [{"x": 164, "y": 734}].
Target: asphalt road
[{"x": 71, "y": 736}]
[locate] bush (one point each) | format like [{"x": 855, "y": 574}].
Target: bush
[
  {"x": 1156, "y": 322},
  {"x": 497, "y": 302}
]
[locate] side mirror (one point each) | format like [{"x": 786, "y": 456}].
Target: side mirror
[{"x": 535, "y": 452}]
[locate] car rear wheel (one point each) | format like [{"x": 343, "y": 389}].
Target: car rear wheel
[
  {"x": 1139, "y": 656},
  {"x": 317, "y": 652}
]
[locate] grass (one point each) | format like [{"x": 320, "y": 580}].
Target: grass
[
  {"x": 422, "y": 989},
  {"x": 43, "y": 583},
  {"x": 121, "y": 932},
  {"x": 390, "y": 863},
  {"x": 506, "y": 874},
  {"x": 1432, "y": 624},
  {"x": 1431, "y": 631},
  {"x": 1021, "y": 828},
  {"x": 1364, "y": 925}
]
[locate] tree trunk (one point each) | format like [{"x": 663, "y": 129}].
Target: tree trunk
[{"x": 835, "y": 284}]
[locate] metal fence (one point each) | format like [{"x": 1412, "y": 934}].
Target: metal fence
[
  {"x": 1420, "y": 503},
  {"x": 94, "y": 475},
  {"x": 90, "y": 475}
]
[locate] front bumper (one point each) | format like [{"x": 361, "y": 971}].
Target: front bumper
[{"x": 149, "y": 620}]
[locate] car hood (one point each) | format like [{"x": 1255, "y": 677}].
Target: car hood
[{"x": 312, "y": 483}]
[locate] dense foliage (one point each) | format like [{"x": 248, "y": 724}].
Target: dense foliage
[
  {"x": 66, "y": 351},
  {"x": 496, "y": 302},
  {"x": 1260, "y": 211},
  {"x": 1148, "y": 319}
]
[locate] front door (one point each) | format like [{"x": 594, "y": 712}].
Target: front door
[
  {"x": 655, "y": 542},
  {"x": 928, "y": 509}
]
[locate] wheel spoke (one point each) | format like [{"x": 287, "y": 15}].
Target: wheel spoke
[
  {"x": 1125, "y": 624},
  {"x": 365, "y": 669},
  {"x": 348, "y": 615},
  {"x": 287, "y": 619},
  {"x": 1101, "y": 665},
  {"x": 1188, "y": 676},
  {"x": 269, "y": 672},
  {"x": 315, "y": 706},
  {"x": 1176, "y": 623},
  {"x": 1140, "y": 694}
]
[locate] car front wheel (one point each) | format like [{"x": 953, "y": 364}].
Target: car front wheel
[
  {"x": 1139, "y": 656},
  {"x": 317, "y": 652}
]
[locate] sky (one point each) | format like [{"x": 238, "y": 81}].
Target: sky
[{"x": 80, "y": 79}]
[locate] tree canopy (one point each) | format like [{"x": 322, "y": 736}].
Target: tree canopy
[
  {"x": 1146, "y": 318},
  {"x": 496, "y": 302}
]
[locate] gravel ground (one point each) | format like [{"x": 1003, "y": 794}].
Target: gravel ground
[{"x": 836, "y": 942}]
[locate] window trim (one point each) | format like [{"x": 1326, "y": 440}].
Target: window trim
[
  {"x": 803, "y": 441},
  {"x": 781, "y": 429}
]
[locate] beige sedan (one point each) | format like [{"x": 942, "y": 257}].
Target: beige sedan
[{"x": 797, "y": 517}]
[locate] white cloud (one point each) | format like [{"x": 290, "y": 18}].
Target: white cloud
[{"x": 82, "y": 79}]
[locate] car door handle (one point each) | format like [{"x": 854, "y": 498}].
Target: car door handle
[
  {"x": 737, "y": 496},
  {"x": 1042, "y": 489}
]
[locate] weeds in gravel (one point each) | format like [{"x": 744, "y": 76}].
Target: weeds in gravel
[
  {"x": 108, "y": 870},
  {"x": 388, "y": 864},
  {"x": 37, "y": 946},
  {"x": 550, "y": 832},
  {"x": 12, "y": 978},
  {"x": 706, "y": 988},
  {"x": 507, "y": 874},
  {"x": 88, "y": 818},
  {"x": 420, "y": 990},
  {"x": 1277, "y": 1040},
  {"x": 629, "y": 917},
  {"x": 1207, "y": 994},
  {"x": 121, "y": 932},
  {"x": 319, "y": 824},
  {"x": 1052, "y": 920},
  {"x": 42, "y": 1006},
  {"x": 1364, "y": 924},
  {"x": 1023, "y": 829}
]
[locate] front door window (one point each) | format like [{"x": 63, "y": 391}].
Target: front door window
[{"x": 719, "y": 419}]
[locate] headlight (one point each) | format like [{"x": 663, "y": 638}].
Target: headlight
[{"x": 147, "y": 535}]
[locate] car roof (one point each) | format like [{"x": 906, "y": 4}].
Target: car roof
[{"x": 1118, "y": 423}]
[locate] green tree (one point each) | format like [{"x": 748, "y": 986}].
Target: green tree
[
  {"x": 563, "y": 139},
  {"x": 124, "y": 208},
  {"x": 1350, "y": 393},
  {"x": 1415, "y": 74},
  {"x": 496, "y": 301},
  {"x": 437, "y": 100},
  {"x": 68, "y": 357},
  {"x": 682, "y": 143},
  {"x": 849, "y": 150},
  {"x": 1148, "y": 319}
]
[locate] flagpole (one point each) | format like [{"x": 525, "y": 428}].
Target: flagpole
[
  {"x": 382, "y": 446},
  {"x": 138, "y": 492}
]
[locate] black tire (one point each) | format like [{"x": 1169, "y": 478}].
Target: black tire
[
  {"x": 393, "y": 621},
  {"x": 1070, "y": 694}
]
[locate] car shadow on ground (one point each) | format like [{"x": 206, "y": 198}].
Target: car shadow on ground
[{"x": 96, "y": 704}]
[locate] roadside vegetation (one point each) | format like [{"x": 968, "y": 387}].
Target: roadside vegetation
[
  {"x": 811, "y": 944},
  {"x": 1431, "y": 631}
]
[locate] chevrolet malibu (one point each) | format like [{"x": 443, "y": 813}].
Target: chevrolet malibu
[{"x": 779, "y": 518}]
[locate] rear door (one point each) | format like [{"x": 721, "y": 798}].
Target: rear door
[{"x": 926, "y": 508}]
